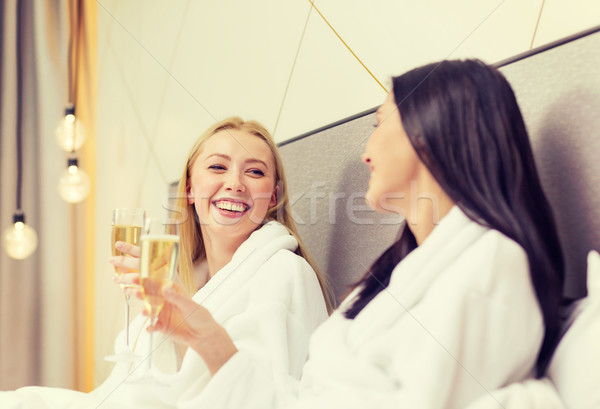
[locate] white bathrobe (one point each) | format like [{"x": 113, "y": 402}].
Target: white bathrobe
[
  {"x": 458, "y": 319},
  {"x": 573, "y": 378},
  {"x": 267, "y": 298}
]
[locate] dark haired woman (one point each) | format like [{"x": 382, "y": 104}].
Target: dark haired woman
[{"x": 465, "y": 302}]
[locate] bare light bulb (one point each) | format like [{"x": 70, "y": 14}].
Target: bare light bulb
[
  {"x": 19, "y": 240},
  {"x": 70, "y": 132},
  {"x": 74, "y": 184}
]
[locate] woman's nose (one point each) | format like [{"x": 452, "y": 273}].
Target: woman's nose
[{"x": 234, "y": 183}]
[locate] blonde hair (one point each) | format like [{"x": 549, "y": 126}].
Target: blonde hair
[{"x": 192, "y": 249}]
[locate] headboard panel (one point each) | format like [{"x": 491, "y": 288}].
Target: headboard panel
[{"x": 558, "y": 88}]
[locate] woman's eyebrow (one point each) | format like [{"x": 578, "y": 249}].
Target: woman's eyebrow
[
  {"x": 254, "y": 160},
  {"x": 220, "y": 155},
  {"x": 228, "y": 158}
]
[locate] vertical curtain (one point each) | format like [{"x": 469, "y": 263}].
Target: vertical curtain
[
  {"x": 20, "y": 280},
  {"x": 83, "y": 213},
  {"x": 46, "y": 317}
]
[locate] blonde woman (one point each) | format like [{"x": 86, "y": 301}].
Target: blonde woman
[{"x": 241, "y": 258}]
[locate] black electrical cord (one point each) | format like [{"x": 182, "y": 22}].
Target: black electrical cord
[
  {"x": 77, "y": 43},
  {"x": 20, "y": 25},
  {"x": 75, "y": 10},
  {"x": 70, "y": 54}
]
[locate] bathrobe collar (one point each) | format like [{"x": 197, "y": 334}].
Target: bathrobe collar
[
  {"x": 415, "y": 273},
  {"x": 252, "y": 253}
]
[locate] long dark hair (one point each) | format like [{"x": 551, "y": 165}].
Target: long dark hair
[{"x": 464, "y": 122}]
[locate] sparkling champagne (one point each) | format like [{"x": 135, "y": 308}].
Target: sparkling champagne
[
  {"x": 158, "y": 264},
  {"x": 128, "y": 234}
]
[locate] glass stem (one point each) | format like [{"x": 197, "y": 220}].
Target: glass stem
[
  {"x": 150, "y": 343},
  {"x": 127, "y": 297}
]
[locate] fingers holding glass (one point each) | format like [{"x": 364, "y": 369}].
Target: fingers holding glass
[
  {"x": 125, "y": 237},
  {"x": 128, "y": 248}
]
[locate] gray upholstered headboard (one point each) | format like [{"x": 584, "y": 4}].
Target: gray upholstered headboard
[{"x": 558, "y": 88}]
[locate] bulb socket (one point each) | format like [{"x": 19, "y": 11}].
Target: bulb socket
[
  {"x": 70, "y": 110},
  {"x": 18, "y": 217}
]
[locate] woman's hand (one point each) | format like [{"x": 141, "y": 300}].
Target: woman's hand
[
  {"x": 193, "y": 325},
  {"x": 127, "y": 265}
]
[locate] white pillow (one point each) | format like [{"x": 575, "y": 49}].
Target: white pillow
[{"x": 575, "y": 367}]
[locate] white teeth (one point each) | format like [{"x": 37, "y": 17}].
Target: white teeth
[{"x": 230, "y": 206}]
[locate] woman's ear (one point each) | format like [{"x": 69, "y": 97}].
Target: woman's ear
[
  {"x": 190, "y": 196},
  {"x": 273, "y": 201}
]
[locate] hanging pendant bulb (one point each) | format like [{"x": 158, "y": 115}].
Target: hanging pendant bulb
[
  {"x": 70, "y": 132},
  {"x": 74, "y": 184},
  {"x": 19, "y": 240}
]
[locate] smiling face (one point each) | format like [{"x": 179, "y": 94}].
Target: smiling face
[
  {"x": 232, "y": 184},
  {"x": 392, "y": 161}
]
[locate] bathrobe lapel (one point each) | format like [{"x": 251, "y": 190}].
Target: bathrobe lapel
[
  {"x": 413, "y": 276},
  {"x": 220, "y": 290}
]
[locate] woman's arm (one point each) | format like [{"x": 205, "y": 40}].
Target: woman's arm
[
  {"x": 189, "y": 323},
  {"x": 254, "y": 344}
]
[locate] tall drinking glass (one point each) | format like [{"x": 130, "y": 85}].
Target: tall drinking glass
[
  {"x": 126, "y": 226},
  {"x": 158, "y": 263}
]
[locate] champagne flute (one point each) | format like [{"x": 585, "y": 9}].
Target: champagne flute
[
  {"x": 126, "y": 226},
  {"x": 158, "y": 263}
]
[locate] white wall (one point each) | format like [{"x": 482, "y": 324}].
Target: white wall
[{"x": 168, "y": 70}]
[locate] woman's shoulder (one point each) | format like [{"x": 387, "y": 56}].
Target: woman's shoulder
[
  {"x": 496, "y": 264},
  {"x": 287, "y": 279},
  {"x": 496, "y": 246},
  {"x": 287, "y": 265}
]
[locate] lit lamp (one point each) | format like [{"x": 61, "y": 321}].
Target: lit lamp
[
  {"x": 19, "y": 240},
  {"x": 70, "y": 132},
  {"x": 74, "y": 184}
]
